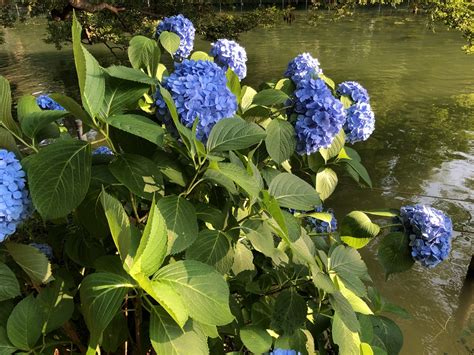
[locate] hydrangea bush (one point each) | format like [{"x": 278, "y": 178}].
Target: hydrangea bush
[{"x": 194, "y": 224}]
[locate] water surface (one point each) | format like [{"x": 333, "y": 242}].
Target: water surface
[{"x": 422, "y": 90}]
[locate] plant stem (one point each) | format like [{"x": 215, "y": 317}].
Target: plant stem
[
  {"x": 392, "y": 225},
  {"x": 19, "y": 138},
  {"x": 138, "y": 324}
]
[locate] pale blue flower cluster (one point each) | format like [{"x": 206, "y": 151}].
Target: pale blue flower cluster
[
  {"x": 14, "y": 199},
  {"x": 230, "y": 54},
  {"x": 47, "y": 103},
  {"x": 102, "y": 150},
  {"x": 199, "y": 90},
  {"x": 44, "y": 248},
  {"x": 301, "y": 67},
  {"x": 284, "y": 352},
  {"x": 184, "y": 28},
  {"x": 322, "y": 226},
  {"x": 430, "y": 232},
  {"x": 320, "y": 116},
  {"x": 354, "y": 91},
  {"x": 360, "y": 122}
]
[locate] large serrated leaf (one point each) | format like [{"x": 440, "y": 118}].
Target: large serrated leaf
[
  {"x": 34, "y": 122},
  {"x": 6, "y": 117},
  {"x": 335, "y": 147},
  {"x": 170, "y": 41},
  {"x": 326, "y": 182},
  {"x": 293, "y": 192},
  {"x": 59, "y": 177},
  {"x": 32, "y": 261},
  {"x": 357, "y": 229},
  {"x": 270, "y": 97},
  {"x": 24, "y": 324},
  {"x": 144, "y": 53},
  {"x": 9, "y": 286},
  {"x": 281, "y": 140},
  {"x": 140, "y": 126},
  {"x": 56, "y": 305},
  {"x": 256, "y": 339},
  {"x": 234, "y": 134},
  {"x": 394, "y": 253},
  {"x": 130, "y": 74},
  {"x": 347, "y": 340}
]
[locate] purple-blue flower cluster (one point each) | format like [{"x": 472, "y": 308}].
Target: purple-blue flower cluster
[
  {"x": 44, "y": 248},
  {"x": 102, "y": 150},
  {"x": 230, "y": 54},
  {"x": 353, "y": 90},
  {"x": 199, "y": 90},
  {"x": 14, "y": 199},
  {"x": 47, "y": 103},
  {"x": 320, "y": 116},
  {"x": 184, "y": 28},
  {"x": 360, "y": 122},
  {"x": 284, "y": 352},
  {"x": 322, "y": 226},
  {"x": 301, "y": 67},
  {"x": 430, "y": 232}
]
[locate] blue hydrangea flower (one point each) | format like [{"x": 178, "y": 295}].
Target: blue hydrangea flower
[
  {"x": 199, "y": 90},
  {"x": 230, "y": 54},
  {"x": 184, "y": 28},
  {"x": 430, "y": 232},
  {"x": 353, "y": 90},
  {"x": 320, "y": 116},
  {"x": 102, "y": 150},
  {"x": 14, "y": 200},
  {"x": 301, "y": 67},
  {"x": 47, "y": 103},
  {"x": 44, "y": 248},
  {"x": 321, "y": 226},
  {"x": 360, "y": 122},
  {"x": 284, "y": 352}
]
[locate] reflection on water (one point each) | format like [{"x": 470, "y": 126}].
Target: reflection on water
[{"x": 422, "y": 89}]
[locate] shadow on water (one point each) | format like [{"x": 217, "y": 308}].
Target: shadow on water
[{"x": 422, "y": 90}]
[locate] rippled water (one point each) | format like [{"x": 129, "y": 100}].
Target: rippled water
[{"x": 422, "y": 90}]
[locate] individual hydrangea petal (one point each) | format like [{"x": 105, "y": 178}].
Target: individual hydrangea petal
[
  {"x": 199, "y": 90},
  {"x": 102, "y": 150},
  {"x": 320, "y": 116},
  {"x": 44, "y": 248},
  {"x": 301, "y": 67},
  {"x": 360, "y": 122},
  {"x": 284, "y": 352},
  {"x": 321, "y": 226},
  {"x": 230, "y": 54},
  {"x": 47, "y": 103},
  {"x": 184, "y": 28},
  {"x": 430, "y": 232},
  {"x": 15, "y": 204},
  {"x": 353, "y": 90}
]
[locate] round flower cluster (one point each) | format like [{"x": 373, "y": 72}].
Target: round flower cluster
[
  {"x": 199, "y": 90},
  {"x": 14, "y": 200},
  {"x": 230, "y": 54},
  {"x": 184, "y": 28},
  {"x": 44, "y": 248},
  {"x": 301, "y": 67},
  {"x": 360, "y": 122},
  {"x": 47, "y": 103},
  {"x": 430, "y": 232},
  {"x": 322, "y": 226},
  {"x": 102, "y": 150},
  {"x": 284, "y": 352},
  {"x": 354, "y": 90},
  {"x": 320, "y": 116}
]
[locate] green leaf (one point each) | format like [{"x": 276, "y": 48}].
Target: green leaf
[
  {"x": 347, "y": 340},
  {"x": 261, "y": 237},
  {"x": 140, "y": 126},
  {"x": 6, "y": 117},
  {"x": 24, "y": 324},
  {"x": 217, "y": 177},
  {"x": 335, "y": 147},
  {"x": 102, "y": 295},
  {"x": 73, "y": 107},
  {"x": 115, "y": 334},
  {"x": 247, "y": 95},
  {"x": 170, "y": 41},
  {"x": 346, "y": 101},
  {"x": 168, "y": 338},
  {"x": 130, "y": 74},
  {"x": 281, "y": 140},
  {"x": 345, "y": 311},
  {"x": 383, "y": 213},
  {"x": 329, "y": 82},
  {"x": 292, "y": 192},
  {"x": 213, "y": 248},
  {"x": 233, "y": 83},
  {"x": 153, "y": 244},
  {"x": 181, "y": 221},
  {"x": 120, "y": 96},
  {"x": 389, "y": 332},
  {"x": 199, "y": 55},
  {"x": 256, "y": 339},
  {"x": 234, "y": 134},
  {"x": 270, "y": 97},
  {"x": 394, "y": 253},
  {"x": 243, "y": 259},
  {"x": 9, "y": 286},
  {"x": 6, "y": 347},
  {"x": 289, "y": 312},
  {"x": 241, "y": 177},
  {"x": 145, "y": 54},
  {"x": 360, "y": 170},
  {"x": 56, "y": 305},
  {"x": 7, "y": 141},
  {"x": 357, "y": 229},
  {"x": 59, "y": 177},
  {"x": 26, "y": 105},
  {"x": 326, "y": 182},
  {"x": 316, "y": 161},
  {"x": 139, "y": 174},
  {"x": 347, "y": 261},
  {"x": 286, "y": 85},
  {"x": 34, "y": 122},
  {"x": 203, "y": 290},
  {"x": 32, "y": 261}
]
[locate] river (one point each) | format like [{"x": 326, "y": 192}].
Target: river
[{"x": 422, "y": 91}]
